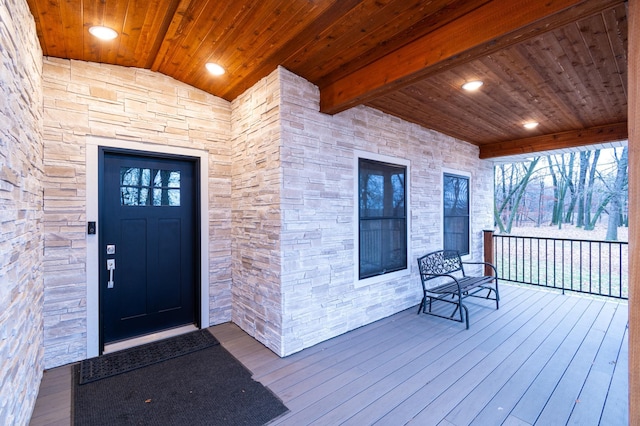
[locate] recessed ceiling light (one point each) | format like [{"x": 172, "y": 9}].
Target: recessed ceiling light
[
  {"x": 103, "y": 33},
  {"x": 472, "y": 85},
  {"x": 214, "y": 69},
  {"x": 531, "y": 125}
]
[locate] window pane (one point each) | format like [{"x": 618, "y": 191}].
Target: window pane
[
  {"x": 456, "y": 213},
  {"x": 382, "y": 216}
]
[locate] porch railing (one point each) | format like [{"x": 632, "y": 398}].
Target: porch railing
[{"x": 585, "y": 266}]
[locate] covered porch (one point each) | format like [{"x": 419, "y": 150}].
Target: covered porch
[{"x": 542, "y": 358}]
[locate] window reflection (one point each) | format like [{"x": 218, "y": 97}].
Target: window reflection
[{"x": 149, "y": 187}]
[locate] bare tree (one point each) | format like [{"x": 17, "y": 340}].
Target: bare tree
[
  {"x": 506, "y": 209},
  {"x": 618, "y": 193}
]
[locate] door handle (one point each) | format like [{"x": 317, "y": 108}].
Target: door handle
[{"x": 111, "y": 266}]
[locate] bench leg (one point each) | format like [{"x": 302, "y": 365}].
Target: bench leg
[{"x": 466, "y": 315}]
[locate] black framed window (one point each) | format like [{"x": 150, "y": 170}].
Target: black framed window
[
  {"x": 456, "y": 213},
  {"x": 382, "y": 217}
]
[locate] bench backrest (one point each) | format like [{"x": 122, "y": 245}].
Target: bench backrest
[{"x": 439, "y": 262}]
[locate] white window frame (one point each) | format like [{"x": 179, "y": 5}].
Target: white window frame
[
  {"x": 467, "y": 175},
  {"x": 403, "y": 273}
]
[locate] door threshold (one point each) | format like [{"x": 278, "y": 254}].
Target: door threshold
[{"x": 148, "y": 338}]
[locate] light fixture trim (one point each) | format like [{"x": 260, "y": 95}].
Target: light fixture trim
[
  {"x": 472, "y": 85},
  {"x": 103, "y": 33},
  {"x": 214, "y": 68},
  {"x": 530, "y": 125}
]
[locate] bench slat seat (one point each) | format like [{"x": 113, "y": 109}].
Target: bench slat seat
[{"x": 453, "y": 284}]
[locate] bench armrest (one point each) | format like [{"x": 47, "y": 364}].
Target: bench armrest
[{"x": 483, "y": 263}]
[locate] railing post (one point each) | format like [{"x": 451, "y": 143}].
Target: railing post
[{"x": 488, "y": 250}]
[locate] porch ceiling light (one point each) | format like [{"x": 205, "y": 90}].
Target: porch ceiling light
[
  {"x": 103, "y": 33},
  {"x": 531, "y": 125},
  {"x": 472, "y": 85},
  {"x": 214, "y": 68}
]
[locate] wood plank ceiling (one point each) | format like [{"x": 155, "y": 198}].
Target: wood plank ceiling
[{"x": 562, "y": 63}]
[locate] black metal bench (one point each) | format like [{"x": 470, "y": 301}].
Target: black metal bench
[{"x": 443, "y": 278}]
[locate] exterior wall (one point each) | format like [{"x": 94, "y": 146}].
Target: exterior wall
[
  {"x": 84, "y": 99},
  {"x": 321, "y": 298},
  {"x": 21, "y": 293},
  {"x": 256, "y": 216}
]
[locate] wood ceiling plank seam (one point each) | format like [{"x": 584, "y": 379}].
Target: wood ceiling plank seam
[
  {"x": 596, "y": 39},
  {"x": 162, "y": 19},
  {"x": 295, "y": 25},
  {"x": 184, "y": 22},
  {"x": 260, "y": 44},
  {"x": 390, "y": 104},
  {"x": 72, "y": 26},
  {"x": 115, "y": 16},
  {"x": 416, "y": 31},
  {"x": 380, "y": 38},
  {"x": 529, "y": 85},
  {"x": 358, "y": 27},
  {"x": 506, "y": 66},
  {"x": 583, "y": 72},
  {"x": 92, "y": 14},
  {"x": 438, "y": 115},
  {"x": 132, "y": 25},
  {"x": 135, "y": 27},
  {"x": 297, "y": 44},
  {"x": 539, "y": 68},
  {"x": 388, "y": 36},
  {"x": 571, "y": 53},
  {"x": 221, "y": 41},
  {"x": 462, "y": 41},
  {"x": 481, "y": 116},
  {"x": 495, "y": 106},
  {"x": 615, "y": 21},
  {"x": 43, "y": 36},
  {"x": 593, "y": 38}
]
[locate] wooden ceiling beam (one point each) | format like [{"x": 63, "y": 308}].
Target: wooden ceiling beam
[
  {"x": 571, "y": 139},
  {"x": 487, "y": 29}
]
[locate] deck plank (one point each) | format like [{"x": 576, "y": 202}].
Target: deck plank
[
  {"x": 502, "y": 403},
  {"x": 377, "y": 382},
  {"x": 616, "y": 409},
  {"x": 492, "y": 374},
  {"x": 514, "y": 366},
  {"x": 468, "y": 372},
  {"x": 565, "y": 396},
  {"x": 591, "y": 400},
  {"x": 389, "y": 394},
  {"x": 532, "y": 404}
]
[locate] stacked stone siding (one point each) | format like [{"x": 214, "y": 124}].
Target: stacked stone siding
[
  {"x": 321, "y": 298},
  {"x": 21, "y": 291},
  {"x": 257, "y": 214},
  {"x": 83, "y": 99}
]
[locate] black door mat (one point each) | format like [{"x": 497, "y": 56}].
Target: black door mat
[
  {"x": 206, "y": 387},
  {"x": 141, "y": 356}
]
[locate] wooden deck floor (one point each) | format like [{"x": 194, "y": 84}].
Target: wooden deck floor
[{"x": 542, "y": 358}]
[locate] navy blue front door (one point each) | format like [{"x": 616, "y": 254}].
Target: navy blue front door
[{"x": 148, "y": 256}]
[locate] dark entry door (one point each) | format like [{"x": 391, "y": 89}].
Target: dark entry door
[{"x": 148, "y": 256}]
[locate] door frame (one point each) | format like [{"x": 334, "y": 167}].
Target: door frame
[{"x": 93, "y": 146}]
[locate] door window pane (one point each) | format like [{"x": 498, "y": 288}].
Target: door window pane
[{"x": 149, "y": 187}]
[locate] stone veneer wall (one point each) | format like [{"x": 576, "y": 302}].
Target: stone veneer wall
[
  {"x": 321, "y": 298},
  {"x": 257, "y": 216},
  {"x": 21, "y": 294},
  {"x": 84, "y": 99}
]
